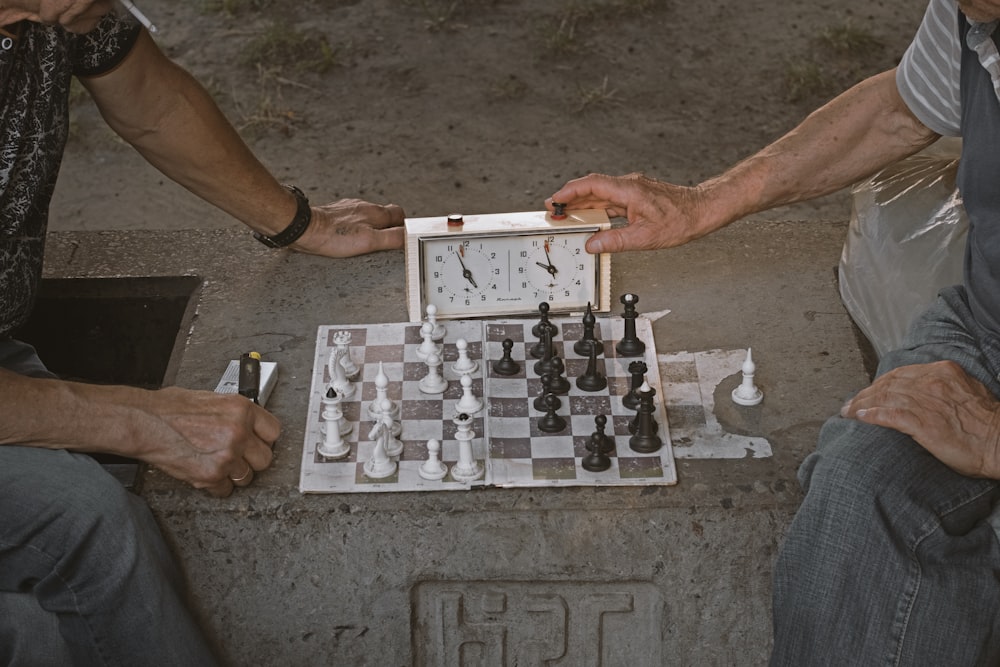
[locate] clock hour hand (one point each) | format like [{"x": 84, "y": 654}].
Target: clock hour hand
[
  {"x": 550, "y": 267},
  {"x": 465, "y": 272}
]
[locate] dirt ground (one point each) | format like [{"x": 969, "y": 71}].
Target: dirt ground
[{"x": 479, "y": 106}]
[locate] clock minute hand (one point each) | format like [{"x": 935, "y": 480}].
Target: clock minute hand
[
  {"x": 466, "y": 273},
  {"x": 548, "y": 267}
]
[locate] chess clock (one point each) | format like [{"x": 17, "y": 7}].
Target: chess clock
[{"x": 505, "y": 264}]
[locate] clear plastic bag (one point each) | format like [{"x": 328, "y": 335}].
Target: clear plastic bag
[{"x": 906, "y": 241}]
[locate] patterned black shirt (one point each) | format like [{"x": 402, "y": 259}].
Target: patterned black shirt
[{"x": 35, "y": 72}]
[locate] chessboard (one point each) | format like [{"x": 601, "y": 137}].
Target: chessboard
[{"x": 508, "y": 444}]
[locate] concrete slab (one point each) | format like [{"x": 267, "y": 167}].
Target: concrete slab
[{"x": 637, "y": 576}]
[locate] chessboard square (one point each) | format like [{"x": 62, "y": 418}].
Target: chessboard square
[
  {"x": 555, "y": 469},
  {"x": 510, "y": 448},
  {"x": 512, "y": 387},
  {"x": 539, "y": 433},
  {"x": 419, "y": 409},
  {"x": 620, "y": 423},
  {"x": 584, "y": 424},
  {"x": 412, "y": 335},
  {"x": 351, "y": 410},
  {"x": 414, "y": 450},
  {"x": 683, "y": 393},
  {"x": 577, "y": 367},
  {"x": 359, "y": 336},
  {"x": 507, "y": 427},
  {"x": 678, "y": 371},
  {"x": 415, "y": 370},
  {"x": 424, "y": 430},
  {"x": 361, "y": 478},
  {"x": 580, "y": 443},
  {"x": 385, "y": 353},
  {"x": 369, "y": 391},
  {"x": 633, "y": 467},
  {"x": 509, "y": 407},
  {"x": 393, "y": 371},
  {"x": 474, "y": 350},
  {"x": 498, "y": 331},
  {"x": 534, "y": 387},
  {"x": 686, "y": 416},
  {"x": 319, "y": 458},
  {"x": 590, "y": 404},
  {"x": 384, "y": 335},
  {"x": 551, "y": 447},
  {"x": 619, "y": 386}
]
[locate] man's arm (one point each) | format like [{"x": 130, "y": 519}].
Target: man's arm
[
  {"x": 173, "y": 122},
  {"x": 202, "y": 438},
  {"x": 852, "y": 137}
]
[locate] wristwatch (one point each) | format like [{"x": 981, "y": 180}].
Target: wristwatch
[{"x": 298, "y": 226}]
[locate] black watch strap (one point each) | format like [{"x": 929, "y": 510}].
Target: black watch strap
[{"x": 298, "y": 226}]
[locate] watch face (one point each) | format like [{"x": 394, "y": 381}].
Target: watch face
[{"x": 471, "y": 275}]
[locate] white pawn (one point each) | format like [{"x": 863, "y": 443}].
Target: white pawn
[
  {"x": 747, "y": 393},
  {"x": 342, "y": 340},
  {"x": 469, "y": 403},
  {"x": 467, "y": 468},
  {"x": 464, "y": 365},
  {"x": 432, "y": 468},
  {"x": 428, "y": 346},
  {"x": 338, "y": 375},
  {"x": 433, "y": 382},
  {"x": 334, "y": 446},
  {"x": 437, "y": 329}
]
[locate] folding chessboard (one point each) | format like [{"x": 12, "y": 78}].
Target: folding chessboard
[{"x": 513, "y": 451}]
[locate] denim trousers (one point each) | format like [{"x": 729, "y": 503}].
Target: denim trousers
[
  {"x": 85, "y": 576},
  {"x": 893, "y": 558}
]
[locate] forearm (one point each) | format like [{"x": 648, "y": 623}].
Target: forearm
[
  {"x": 173, "y": 122},
  {"x": 852, "y": 137}
]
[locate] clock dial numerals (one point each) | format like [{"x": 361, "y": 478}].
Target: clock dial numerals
[
  {"x": 461, "y": 272},
  {"x": 553, "y": 266}
]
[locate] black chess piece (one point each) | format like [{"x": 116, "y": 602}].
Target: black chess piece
[
  {"x": 630, "y": 345},
  {"x": 551, "y": 422},
  {"x": 538, "y": 349},
  {"x": 543, "y": 312},
  {"x": 599, "y": 440},
  {"x": 596, "y": 461},
  {"x": 592, "y": 379},
  {"x": 506, "y": 365},
  {"x": 581, "y": 346},
  {"x": 539, "y": 403},
  {"x": 557, "y": 383},
  {"x": 646, "y": 440},
  {"x": 638, "y": 370},
  {"x": 544, "y": 364}
]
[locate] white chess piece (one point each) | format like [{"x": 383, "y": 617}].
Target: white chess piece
[
  {"x": 338, "y": 375},
  {"x": 333, "y": 446},
  {"x": 437, "y": 329},
  {"x": 382, "y": 391},
  {"x": 433, "y": 468},
  {"x": 464, "y": 365},
  {"x": 747, "y": 392},
  {"x": 469, "y": 403},
  {"x": 467, "y": 468},
  {"x": 342, "y": 340},
  {"x": 393, "y": 447},
  {"x": 433, "y": 382},
  {"x": 380, "y": 465},
  {"x": 428, "y": 346}
]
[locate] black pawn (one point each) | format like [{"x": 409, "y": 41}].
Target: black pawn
[
  {"x": 646, "y": 440},
  {"x": 599, "y": 441},
  {"x": 592, "y": 379},
  {"x": 539, "y": 403},
  {"x": 638, "y": 370},
  {"x": 543, "y": 312},
  {"x": 557, "y": 383},
  {"x": 582, "y": 346},
  {"x": 551, "y": 422},
  {"x": 596, "y": 461},
  {"x": 506, "y": 365},
  {"x": 630, "y": 345}
]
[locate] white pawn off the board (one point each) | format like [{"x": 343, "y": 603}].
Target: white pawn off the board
[
  {"x": 433, "y": 469},
  {"x": 433, "y": 382},
  {"x": 338, "y": 376},
  {"x": 438, "y": 331},
  {"x": 747, "y": 392},
  {"x": 334, "y": 446},
  {"x": 428, "y": 346},
  {"x": 464, "y": 365},
  {"x": 469, "y": 403},
  {"x": 467, "y": 469},
  {"x": 342, "y": 340}
]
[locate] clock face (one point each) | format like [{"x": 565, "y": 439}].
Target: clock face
[
  {"x": 505, "y": 264},
  {"x": 511, "y": 273}
]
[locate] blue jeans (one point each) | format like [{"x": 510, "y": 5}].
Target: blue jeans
[
  {"x": 80, "y": 554},
  {"x": 893, "y": 558}
]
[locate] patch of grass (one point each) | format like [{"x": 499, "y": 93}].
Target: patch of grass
[
  {"x": 564, "y": 32},
  {"x": 444, "y": 15},
  {"x": 596, "y": 96},
  {"x": 280, "y": 45},
  {"x": 267, "y": 111},
  {"x": 839, "y": 57}
]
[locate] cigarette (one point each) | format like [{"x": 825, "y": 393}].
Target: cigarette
[{"x": 139, "y": 16}]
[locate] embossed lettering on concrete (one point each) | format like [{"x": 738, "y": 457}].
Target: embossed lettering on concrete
[{"x": 522, "y": 623}]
